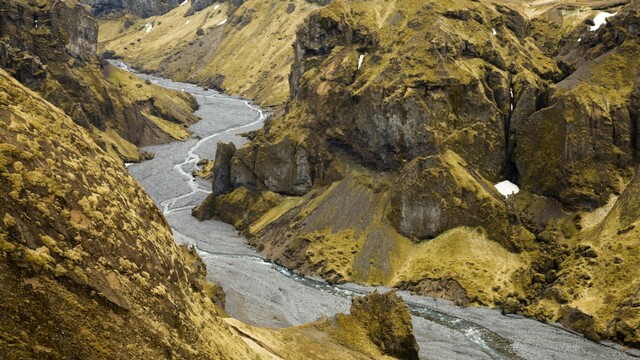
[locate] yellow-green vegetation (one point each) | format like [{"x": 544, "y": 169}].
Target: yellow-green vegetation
[
  {"x": 250, "y": 54},
  {"x": 206, "y": 170},
  {"x": 89, "y": 278},
  {"x": 345, "y": 236},
  {"x": 57, "y": 59}
]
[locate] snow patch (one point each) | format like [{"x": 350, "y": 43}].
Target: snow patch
[
  {"x": 184, "y": 2},
  {"x": 507, "y": 188},
  {"x": 601, "y": 19},
  {"x": 222, "y": 22},
  {"x": 216, "y": 7},
  {"x": 187, "y": 23},
  {"x": 126, "y": 165},
  {"x": 360, "y": 60},
  {"x": 579, "y": 39},
  {"x": 494, "y": 32},
  {"x": 149, "y": 27},
  {"x": 511, "y": 94}
]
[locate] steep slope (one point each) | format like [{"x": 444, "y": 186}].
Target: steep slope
[
  {"x": 244, "y": 50},
  {"x": 402, "y": 116},
  {"x": 89, "y": 268},
  {"x": 50, "y": 47}
]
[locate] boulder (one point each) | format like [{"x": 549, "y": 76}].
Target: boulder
[
  {"x": 387, "y": 320},
  {"x": 283, "y": 167}
]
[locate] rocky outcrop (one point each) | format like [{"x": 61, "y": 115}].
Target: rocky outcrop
[
  {"x": 421, "y": 210},
  {"x": 142, "y": 8},
  {"x": 222, "y": 168},
  {"x": 584, "y": 141},
  {"x": 51, "y": 49},
  {"x": 388, "y": 323},
  {"x": 198, "y": 5}
]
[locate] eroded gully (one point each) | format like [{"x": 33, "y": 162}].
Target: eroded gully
[{"x": 265, "y": 294}]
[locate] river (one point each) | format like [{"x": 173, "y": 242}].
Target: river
[{"x": 264, "y": 294}]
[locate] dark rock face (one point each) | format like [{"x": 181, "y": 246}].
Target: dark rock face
[
  {"x": 388, "y": 323},
  {"x": 420, "y": 209},
  {"x": 293, "y": 173},
  {"x": 577, "y": 320},
  {"x": 448, "y": 289},
  {"x": 570, "y": 151},
  {"x": 197, "y": 5},
  {"x": 222, "y": 168},
  {"x": 320, "y": 2},
  {"x": 142, "y": 8}
]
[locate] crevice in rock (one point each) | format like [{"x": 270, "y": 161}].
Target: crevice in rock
[
  {"x": 510, "y": 171},
  {"x": 633, "y": 115}
]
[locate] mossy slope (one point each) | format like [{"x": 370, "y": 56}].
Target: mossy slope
[
  {"x": 50, "y": 47},
  {"x": 243, "y": 50}
]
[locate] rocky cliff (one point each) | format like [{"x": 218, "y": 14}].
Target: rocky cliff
[
  {"x": 401, "y": 118},
  {"x": 142, "y": 8},
  {"x": 51, "y": 48}
]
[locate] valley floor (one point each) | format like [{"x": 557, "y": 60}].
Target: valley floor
[{"x": 263, "y": 294}]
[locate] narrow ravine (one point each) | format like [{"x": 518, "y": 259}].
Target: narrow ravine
[{"x": 266, "y": 294}]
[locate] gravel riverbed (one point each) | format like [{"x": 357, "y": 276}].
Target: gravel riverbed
[{"x": 264, "y": 294}]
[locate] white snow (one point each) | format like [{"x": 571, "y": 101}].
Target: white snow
[
  {"x": 222, "y": 22},
  {"x": 187, "y": 23},
  {"x": 494, "y": 32},
  {"x": 507, "y": 188},
  {"x": 601, "y": 19},
  {"x": 184, "y": 2},
  {"x": 511, "y": 98},
  {"x": 360, "y": 61},
  {"x": 126, "y": 165},
  {"x": 216, "y": 7},
  {"x": 36, "y": 23},
  {"x": 579, "y": 39},
  {"x": 149, "y": 27}
]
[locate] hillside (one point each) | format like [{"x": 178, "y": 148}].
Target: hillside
[
  {"x": 89, "y": 267},
  {"x": 402, "y": 117},
  {"x": 51, "y": 48},
  {"x": 243, "y": 50}
]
